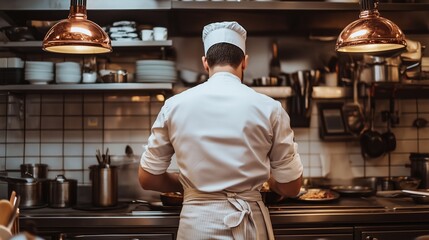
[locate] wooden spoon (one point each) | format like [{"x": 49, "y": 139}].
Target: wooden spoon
[
  {"x": 12, "y": 198},
  {"x": 5, "y": 212}
]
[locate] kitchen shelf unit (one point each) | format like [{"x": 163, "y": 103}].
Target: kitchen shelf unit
[
  {"x": 36, "y": 46},
  {"x": 293, "y": 5},
  {"x": 88, "y": 87}
]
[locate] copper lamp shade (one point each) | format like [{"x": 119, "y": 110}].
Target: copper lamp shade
[
  {"x": 77, "y": 34},
  {"x": 371, "y": 33}
]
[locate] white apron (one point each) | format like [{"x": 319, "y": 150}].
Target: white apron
[{"x": 224, "y": 216}]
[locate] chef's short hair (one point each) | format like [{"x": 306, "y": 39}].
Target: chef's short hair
[{"x": 222, "y": 54}]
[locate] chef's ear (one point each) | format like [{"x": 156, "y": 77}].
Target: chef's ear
[
  {"x": 245, "y": 62},
  {"x": 205, "y": 64}
]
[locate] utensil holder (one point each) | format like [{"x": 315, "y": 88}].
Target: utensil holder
[{"x": 104, "y": 185}]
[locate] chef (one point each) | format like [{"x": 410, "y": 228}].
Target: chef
[{"x": 228, "y": 141}]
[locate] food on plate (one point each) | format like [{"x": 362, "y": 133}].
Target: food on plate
[
  {"x": 317, "y": 194},
  {"x": 265, "y": 187}
]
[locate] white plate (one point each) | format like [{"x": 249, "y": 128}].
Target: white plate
[
  {"x": 156, "y": 76},
  {"x": 37, "y": 82},
  {"x": 155, "y": 67},
  {"x": 155, "y": 62},
  {"x": 155, "y": 81},
  {"x": 68, "y": 64},
  {"x": 40, "y": 76},
  {"x": 157, "y": 73}
]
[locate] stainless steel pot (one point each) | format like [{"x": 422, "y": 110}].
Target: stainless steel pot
[
  {"x": 104, "y": 185},
  {"x": 62, "y": 192},
  {"x": 390, "y": 69},
  {"x": 31, "y": 193},
  {"x": 420, "y": 168},
  {"x": 34, "y": 170}
]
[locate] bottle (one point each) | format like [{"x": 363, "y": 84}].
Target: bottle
[{"x": 275, "y": 62}]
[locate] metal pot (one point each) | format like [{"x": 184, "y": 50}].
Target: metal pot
[
  {"x": 31, "y": 193},
  {"x": 390, "y": 69},
  {"x": 104, "y": 185},
  {"x": 34, "y": 170},
  {"x": 420, "y": 168},
  {"x": 62, "y": 192}
]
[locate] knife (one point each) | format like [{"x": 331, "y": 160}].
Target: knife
[{"x": 416, "y": 192}]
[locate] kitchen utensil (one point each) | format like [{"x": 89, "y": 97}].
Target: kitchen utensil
[
  {"x": 104, "y": 185},
  {"x": 155, "y": 206},
  {"x": 389, "y": 139},
  {"x": 352, "y": 111},
  {"x": 5, "y": 212},
  {"x": 62, "y": 192},
  {"x": 12, "y": 198},
  {"x": 18, "y": 33},
  {"x": 171, "y": 199},
  {"x": 420, "y": 168},
  {"x": 417, "y": 192},
  {"x": 270, "y": 197},
  {"x": 12, "y": 224},
  {"x": 31, "y": 193},
  {"x": 406, "y": 183},
  {"x": 17, "y": 180},
  {"x": 37, "y": 170},
  {"x": 371, "y": 141},
  {"x": 386, "y": 184},
  {"x": 354, "y": 190},
  {"x": 420, "y": 123}
]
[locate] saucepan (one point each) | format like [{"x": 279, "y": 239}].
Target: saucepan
[{"x": 29, "y": 189}]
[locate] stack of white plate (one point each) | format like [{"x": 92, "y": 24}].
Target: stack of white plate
[
  {"x": 156, "y": 71},
  {"x": 39, "y": 72},
  {"x": 67, "y": 72}
]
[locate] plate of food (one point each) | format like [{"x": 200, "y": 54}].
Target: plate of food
[{"x": 318, "y": 195}]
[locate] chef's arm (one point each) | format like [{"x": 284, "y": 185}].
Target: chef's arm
[
  {"x": 289, "y": 189},
  {"x": 165, "y": 182}
]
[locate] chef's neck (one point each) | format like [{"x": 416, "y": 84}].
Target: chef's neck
[{"x": 236, "y": 71}]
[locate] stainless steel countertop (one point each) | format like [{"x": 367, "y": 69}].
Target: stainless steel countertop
[{"x": 353, "y": 211}]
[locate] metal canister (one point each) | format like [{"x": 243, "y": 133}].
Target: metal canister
[
  {"x": 104, "y": 185},
  {"x": 420, "y": 168},
  {"x": 62, "y": 192}
]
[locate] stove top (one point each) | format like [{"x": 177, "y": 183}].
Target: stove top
[{"x": 340, "y": 206}]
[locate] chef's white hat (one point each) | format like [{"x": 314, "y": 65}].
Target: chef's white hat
[{"x": 224, "y": 32}]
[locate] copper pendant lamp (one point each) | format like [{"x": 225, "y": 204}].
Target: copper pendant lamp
[
  {"x": 371, "y": 34},
  {"x": 77, "y": 34}
]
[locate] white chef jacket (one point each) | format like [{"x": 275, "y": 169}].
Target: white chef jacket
[{"x": 225, "y": 136}]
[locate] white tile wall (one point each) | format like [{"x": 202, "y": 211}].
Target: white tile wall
[{"x": 64, "y": 131}]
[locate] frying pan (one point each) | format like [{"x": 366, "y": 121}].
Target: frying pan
[
  {"x": 157, "y": 205},
  {"x": 354, "y": 191},
  {"x": 371, "y": 141}
]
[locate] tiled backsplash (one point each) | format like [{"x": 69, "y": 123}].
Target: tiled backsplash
[{"x": 64, "y": 131}]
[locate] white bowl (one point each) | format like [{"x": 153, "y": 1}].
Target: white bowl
[
  {"x": 68, "y": 78},
  {"x": 155, "y": 62},
  {"x": 90, "y": 77}
]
